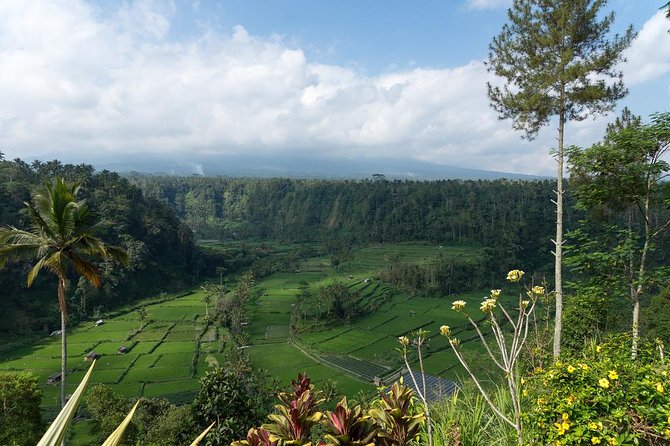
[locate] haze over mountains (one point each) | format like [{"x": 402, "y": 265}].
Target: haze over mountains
[{"x": 290, "y": 166}]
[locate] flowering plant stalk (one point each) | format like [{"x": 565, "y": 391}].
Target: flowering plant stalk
[
  {"x": 508, "y": 350},
  {"x": 419, "y": 340}
]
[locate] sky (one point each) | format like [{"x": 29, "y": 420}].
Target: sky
[{"x": 342, "y": 79}]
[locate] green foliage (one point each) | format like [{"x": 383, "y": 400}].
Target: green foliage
[
  {"x": 547, "y": 54},
  {"x": 465, "y": 419},
  {"x": 657, "y": 317},
  {"x": 602, "y": 397},
  {"x": 398, "y": 419},
  {"x": 348, "y": 427},
  {"x": 297, "y": 414},
  {"x": 156, "y": 422},
  {"x": 108, "y": 409},
  {"x": 587, "y": 314},
  {"x": 20, "y": 417},
  {"x": 346, "y": 214},
  {"x": 393, "y": 420},
  {"x": 236, "y": 401}
]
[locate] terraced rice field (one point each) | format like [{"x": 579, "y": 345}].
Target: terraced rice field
[
  {"x": 165, "y": 359},
  {"x": 367, "y": 347}
]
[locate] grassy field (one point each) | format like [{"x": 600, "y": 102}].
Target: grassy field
[
  {"x": 166, "y": 358},
  {"x": 172, "y": 351},
  {"x": 367, "y": 347}
]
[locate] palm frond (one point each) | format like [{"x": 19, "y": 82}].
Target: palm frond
[
  {"x": 35, "y": 271},
  {"x": 197, "y": 441},
  {"x": 118, "y": 254},
  {"x": 86, "y": 269},
  {"x": 56, "y": 432},
  {"x": 57, "y": 263},
  {"x": 115, "y": 438}
]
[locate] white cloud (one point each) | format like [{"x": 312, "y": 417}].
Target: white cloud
[
  {"x": 648, "y": 57},
  {"x": 89, "y": 82},
  {"x": 487, "y": 4}
]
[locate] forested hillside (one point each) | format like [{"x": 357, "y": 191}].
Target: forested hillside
[
  {"x": 513, "y": 219},
  {"x": 161, "y": 249}
]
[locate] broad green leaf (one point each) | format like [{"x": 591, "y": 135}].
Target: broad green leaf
[
  {"x": 196, "y": 442},
  {"x": 56, "y": 432},
  {"x": 115, "y": 438}
]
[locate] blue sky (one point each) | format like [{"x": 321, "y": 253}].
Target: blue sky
[{"x": 341, "y": 78}]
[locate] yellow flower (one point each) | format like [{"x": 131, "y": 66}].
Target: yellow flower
[
  {"x": 659, "y": 387},
  {"x": 444, "y": 330},
  {"x": 571, "y": 369},
  {"x": 565, "y": 416},
  {"x": 404, "y": 340},
  {"x": 524, "y": 303},
  {"x": 458, "y": 305},
  {"x": 583, "y": 366},
  {"x": 593, "y": 426},
  {"x": 487, "y": 305},
  {"x": 595, "y": 440},
  {"x": 495, "y": 294},
  {"x": 541, "y": 401},
  {"x": 515, "y": 275},
  {"x": 455, "y": 342},
  {"x": 525, "y": 392},
  {"x": 562, "y": 427},
  {"x": 571, "y": 399},
  {"x": 604, "y": 383},
  {"x": 612, "y": 441},
  {"x": 668, "y": 419},
  {"x": 538, "y": 290},
  {"x": 613, "y": 375},
  {"x": 666, "y": 433},
  {"x": 598, "y": 348}
]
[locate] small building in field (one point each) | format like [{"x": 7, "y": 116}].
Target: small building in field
[
  {"x": 123, "y": 349},
  {"x": 55, "y": 378},
  {"x": 91, "y": 356},
  {"x": 99, "y": 322}
]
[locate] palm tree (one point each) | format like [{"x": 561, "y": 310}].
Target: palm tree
[{"x": 61, "y": 239}]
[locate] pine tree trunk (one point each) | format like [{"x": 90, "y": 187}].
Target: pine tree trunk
[
  {"x": 558, "y": 252},
  {"x": 63, "y": 342}
]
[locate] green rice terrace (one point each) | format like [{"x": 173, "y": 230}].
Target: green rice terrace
[{"x": 177, "y": 345}]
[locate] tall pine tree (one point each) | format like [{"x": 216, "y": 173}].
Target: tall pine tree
[{"x": 556, "y": 59}]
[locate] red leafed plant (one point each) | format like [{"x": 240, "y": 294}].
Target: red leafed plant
[{"x": 349, "y": 427}]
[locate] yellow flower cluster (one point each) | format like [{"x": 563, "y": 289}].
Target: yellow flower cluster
[
  {"x": 458, "y": 305},
  {"x": 564, "y": 425},
  {"x": 596, "y": 426},
  {"x": 613, "y": 375},
  {"x": 488, "y": 305},
  {"x": 515, "y": 275},
  {"x": 659, "y": 388},
  {"x": 404, "y": 340},
  {"x": 445, "y": 330},
  {"x": 604, "y": 383},
  {"x": 495, "y": 294}
]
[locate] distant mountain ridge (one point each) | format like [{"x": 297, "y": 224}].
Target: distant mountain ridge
[{"x": 264, "y": 166}]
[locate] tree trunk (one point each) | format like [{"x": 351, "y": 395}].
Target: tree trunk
[
  {"x": 558, "y": 242},
  {"x": 63, "y": 340}
]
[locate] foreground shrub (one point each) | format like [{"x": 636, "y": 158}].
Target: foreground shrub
[
  {"x": 602, "y": 397},
  {"x": 20, "y": 417},
  {"x": 393, "y": 420},
  {"x": 465, "y": 419}
]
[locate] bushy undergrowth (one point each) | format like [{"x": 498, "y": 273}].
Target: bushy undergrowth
[
  {"x": 600, "y": 397},
  {"x": 465, "y": 419}
]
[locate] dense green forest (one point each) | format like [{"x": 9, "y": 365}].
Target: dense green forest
[
  {"x": 511, "y": 219},
  {"x": 161, "y": 249}
]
